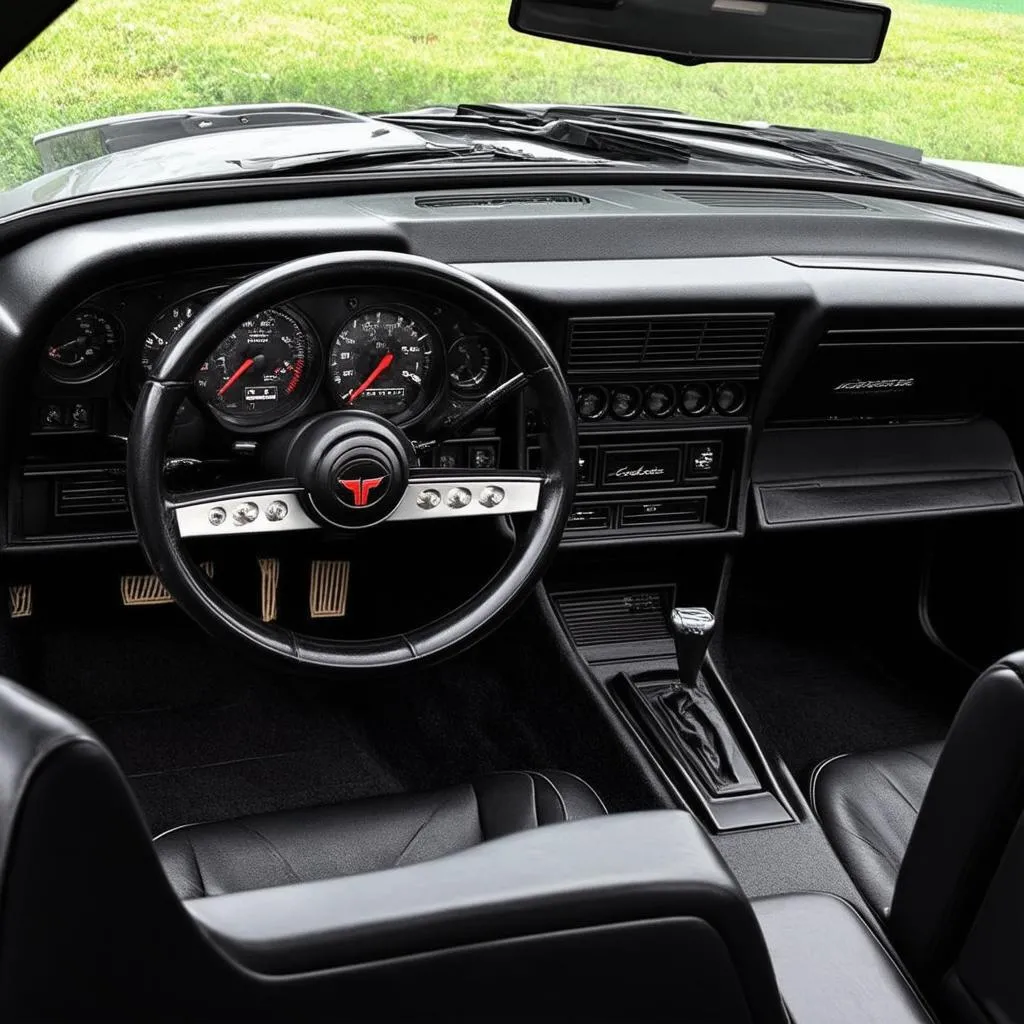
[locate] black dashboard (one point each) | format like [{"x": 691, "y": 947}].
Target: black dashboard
[{"x": 730, "y": 354}]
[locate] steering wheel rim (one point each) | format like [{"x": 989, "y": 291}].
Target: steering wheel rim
[{"x": 161, "y": 396}]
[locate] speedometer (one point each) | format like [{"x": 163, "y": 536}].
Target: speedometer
[
  {"x": 263, "y": 373},
  {"x": 382, "y": 361}
]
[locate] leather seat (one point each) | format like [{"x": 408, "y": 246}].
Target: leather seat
[
  {"x": 265, "y": 850},
  {"x": 868, "y": 805}
]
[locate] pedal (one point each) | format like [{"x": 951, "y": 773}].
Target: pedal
[
  {"x": 148, "y": 591},
  {"x": 328, "y": 589},
  {"x": 270, "y": 577},
  {"x": 19, "y": 600}
]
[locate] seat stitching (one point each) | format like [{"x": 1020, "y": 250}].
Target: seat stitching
[
  {"x": 445, "y": 799},
  {"x": 241, "y": 823},
  {"x": 561, "y": 801},
  {"x": 587, "y": 785},
  {"x": 199, "y": 870}
]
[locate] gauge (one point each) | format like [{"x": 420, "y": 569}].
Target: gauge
[
  {"x": 381, "y": 361},
  {"x": 263, "y": 373},
  {"x": 592, "y": 403},
  {"x": 730, "y": 398},
  {"x": 170, "y": 322},
  {"x": 474, "y": 364},
  {"x": 695, "y": 398},
  {"x": 659, "y": 400},
  {"x": 625, "y": 402},
  {"x": 82, "y": 346}
]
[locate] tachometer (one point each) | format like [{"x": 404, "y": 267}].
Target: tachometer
[
  {"x": 263, "y": 373},
  {"x": 382, "y": 361},
  {"x": 82, "y": 346}
]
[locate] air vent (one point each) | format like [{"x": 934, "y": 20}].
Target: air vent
[
  {"x": 89, "y": 496},
  {"x": 763, "y": 199},
  {"x": 609, "y": 344},
  {"x": 615, "y": 616},
  {"x": 497, "y": 199}
]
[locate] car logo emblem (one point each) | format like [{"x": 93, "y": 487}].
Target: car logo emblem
[{"x": 361, "y": 488}]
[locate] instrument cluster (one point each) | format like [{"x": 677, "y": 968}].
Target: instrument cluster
[{"x": 401, "y": 355}]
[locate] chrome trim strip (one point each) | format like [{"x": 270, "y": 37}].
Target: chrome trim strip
[
  {"x": 194, "y": 518},
  {"x": 521, "y": 494}
]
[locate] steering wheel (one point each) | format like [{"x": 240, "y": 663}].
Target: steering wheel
[{"x": 349, "y": 470}]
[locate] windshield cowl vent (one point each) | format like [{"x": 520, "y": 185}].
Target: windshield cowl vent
[
  {"x": 498, "y": 199},
  {"x": 602, "y": 345},
  {"x": 763, "y": 199}
]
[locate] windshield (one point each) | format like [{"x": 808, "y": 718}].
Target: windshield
[{"x": 949, "y": 80}]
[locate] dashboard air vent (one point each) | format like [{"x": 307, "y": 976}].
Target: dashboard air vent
[
  {"x": 763, "y": 199},
  {"x": 615, "y": 616},
  {"x": 496, "y": 199},
  {"x": 609, "y": 344},
  {"x": 89, "y": 496}
]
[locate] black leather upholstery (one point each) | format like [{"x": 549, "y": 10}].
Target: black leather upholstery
[
  {"x": 308, "y": 845},
  {"x": 868, "y": 805}
]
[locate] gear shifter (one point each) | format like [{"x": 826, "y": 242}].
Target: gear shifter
[{"x": 693, "y": 715}]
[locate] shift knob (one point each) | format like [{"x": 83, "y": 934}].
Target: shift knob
[{"x": 691, "y": 631}]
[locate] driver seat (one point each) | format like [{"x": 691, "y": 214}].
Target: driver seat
[{"x": 281, "y": 848}]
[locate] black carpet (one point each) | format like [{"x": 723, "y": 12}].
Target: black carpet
[
  {"x": 825, "y": 649},
  {"x": 205, "y": 733}
]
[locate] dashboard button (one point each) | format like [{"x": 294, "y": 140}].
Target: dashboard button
[
  {"x": 428, "y": 499},
  {"x": 491, "y": 497},
  {"x": 277, "y": 511},
  {"x": 663, "y": 513},
  {"x": 589, "y": 518},
  {"x": 483, "y": 456},
  {"x": 586, "y": 472},
  {"x": 641, "y": 467},
  {"x": 703, "y": 460},
  {"x": 217, "y": 516}
]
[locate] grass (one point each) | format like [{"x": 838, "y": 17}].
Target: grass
[{"x": 951, "y": 80}]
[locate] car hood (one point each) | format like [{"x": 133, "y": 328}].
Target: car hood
[
  {"x": 1005, "y": 175},
  {"x": 208, "y": 156}
]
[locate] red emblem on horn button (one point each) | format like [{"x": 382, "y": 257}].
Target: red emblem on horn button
[{"x": 362, "y": 488}]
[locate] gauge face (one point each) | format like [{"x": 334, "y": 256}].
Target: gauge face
[
  {"x": 82, "y": 346},
  {"x": 169, "y": 323},
  {"x": 262, "y": 373},
  {"x": 474, "y": 364},
  {"x": 381, "y": 361}
]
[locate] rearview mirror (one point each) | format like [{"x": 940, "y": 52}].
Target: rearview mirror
[{"x": 701, "y": 31}]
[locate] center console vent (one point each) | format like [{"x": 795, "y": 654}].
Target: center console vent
[
  {"x": 89, "y": 496},
  {"x": 667, "y": 343},
  {"x": 495, "y": 199},
  {"x": 615, "y": 616},
  {"x": 763, "y": 199}
]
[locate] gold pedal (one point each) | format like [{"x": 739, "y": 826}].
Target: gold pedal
[
  {"x": 328, "y": 589},
  {"x": 146, "y": 591},
  {"x": 19, "y": 600},
  {"x": 270, "y": 577}
]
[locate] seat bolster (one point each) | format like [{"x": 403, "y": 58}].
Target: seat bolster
[
  {"x": 972, "y": 806},
  {"x": 868, "y": 805}
]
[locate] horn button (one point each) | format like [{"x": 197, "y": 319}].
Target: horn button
[{"x": 355, "y": 467}]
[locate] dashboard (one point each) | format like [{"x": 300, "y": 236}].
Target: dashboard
[{"x": 738, "y": 362}]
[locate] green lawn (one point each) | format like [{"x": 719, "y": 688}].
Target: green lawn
[{"x": 951, "y": 79}]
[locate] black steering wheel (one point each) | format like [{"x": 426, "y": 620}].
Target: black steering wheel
[{"x": 351, "y": 470}]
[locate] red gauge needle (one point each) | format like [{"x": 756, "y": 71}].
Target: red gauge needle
[
  {"x": 240, "y": 372},
  {"x": 377, "y": 371}
]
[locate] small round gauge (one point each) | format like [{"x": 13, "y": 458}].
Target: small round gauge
[
  {"x": 169, "y": 323},
  {"x": 82, "y": 346},
  {"x": 261, "y": 374},
  {"x": 474, "y": 364},
  {"x": 625, "y": 402},
  {"x": 382, "y": 361}
]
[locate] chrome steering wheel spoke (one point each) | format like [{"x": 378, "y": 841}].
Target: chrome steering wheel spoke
[
  {"x": 274, "y": 506},
  {"x": 433, "y": 495}
]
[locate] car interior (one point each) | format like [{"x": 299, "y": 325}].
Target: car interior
[{"x": 583, "y": 599}]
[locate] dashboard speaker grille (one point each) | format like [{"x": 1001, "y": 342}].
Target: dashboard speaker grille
[
  {"x": 615, "y": 616},
  {"x": 763, "y": 199},
  {"x": 498, "y": 199},
  {"x": 607, "y": 344},
  {"x": 89, "y": 496}
]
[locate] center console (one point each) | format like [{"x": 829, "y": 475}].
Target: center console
[{"x": 664, "y": 404}]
